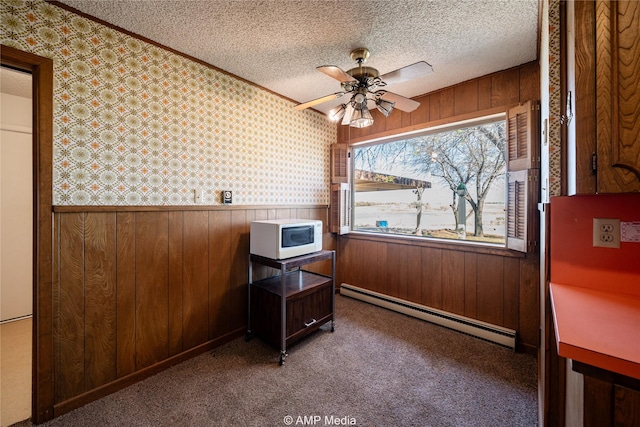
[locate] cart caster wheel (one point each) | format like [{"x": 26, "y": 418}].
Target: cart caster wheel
[
  {"x": 248, "y": 336},
  {"x": 333, "y": 327},
  {"x": 281, "y": 359}
]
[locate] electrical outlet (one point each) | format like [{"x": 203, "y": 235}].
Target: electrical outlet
[
  {"x": 197, "y": 195},
  {"x": 606, "y": 232}
]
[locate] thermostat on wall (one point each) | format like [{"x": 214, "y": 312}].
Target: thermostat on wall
[{"x": 227, "y": 197}]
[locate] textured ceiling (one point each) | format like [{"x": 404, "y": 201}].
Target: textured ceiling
[{"x": 277, "y": 44}]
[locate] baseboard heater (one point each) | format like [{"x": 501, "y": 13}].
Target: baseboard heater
[{"x": 486, "y": 331}]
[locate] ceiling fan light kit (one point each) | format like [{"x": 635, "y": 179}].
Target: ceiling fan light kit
[
  {"x": 384, "y": 106},
  {"x": 364, "y": 85},
  {"x": 361, "y": 117},
  {"x": 337, "y": 113}
]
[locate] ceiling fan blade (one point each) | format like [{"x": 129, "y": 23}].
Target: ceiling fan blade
[
  {"x": 336, "y": 73},
  {"x": 347, "y": 114},
  {"x": 413, "y": 71},
  {"x": 318, "y": 101},
  {"x": 402, "y": 103}
]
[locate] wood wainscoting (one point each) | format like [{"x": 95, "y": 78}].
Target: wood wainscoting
[
  {"x": 486, "y": 95},
  {"x": 138, "y": 289},
  {"x": 493, "y": 285}
]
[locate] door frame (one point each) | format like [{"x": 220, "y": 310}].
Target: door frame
[{"x": 41, "y": 69}]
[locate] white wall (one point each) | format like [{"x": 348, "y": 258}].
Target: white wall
[{"x": 16, "y": 207}]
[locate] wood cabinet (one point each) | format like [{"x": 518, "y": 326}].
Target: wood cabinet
[
  {"x": 617, "y": 40},
  {"x": 607, "y": 102},
  {"x": 610, "y": 399},
  {"x": 289, "y": 306}
]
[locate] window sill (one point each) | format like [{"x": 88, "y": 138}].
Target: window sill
[{"x": 474, "y": 247}]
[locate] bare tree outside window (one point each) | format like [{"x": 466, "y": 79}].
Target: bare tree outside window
[{"x": 473, "y": 156}]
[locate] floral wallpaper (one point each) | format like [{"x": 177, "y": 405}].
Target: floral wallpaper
[
  {"x": 555, "y": 152},
  {"x": 138, "y": 125}
]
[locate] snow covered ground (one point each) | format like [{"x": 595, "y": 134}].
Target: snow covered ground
[{"x": 403, "y": 215}]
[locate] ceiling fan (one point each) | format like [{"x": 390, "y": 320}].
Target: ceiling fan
[{"x": 365, "y": 87}]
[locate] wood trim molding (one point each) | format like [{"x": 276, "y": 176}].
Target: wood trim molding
[
  {"x": 165, "y": 208},
  {"x": 41, "y": 69},
  {"x": 436, "y": 243}
]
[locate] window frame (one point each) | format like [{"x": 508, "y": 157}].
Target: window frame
[
  {"x": 430, "y": 130},
  {"x": 528, "y": 243}
]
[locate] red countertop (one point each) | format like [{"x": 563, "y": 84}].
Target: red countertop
[
  {"x": 597, "y": 327},
  {"x": 595, "y": 292}
]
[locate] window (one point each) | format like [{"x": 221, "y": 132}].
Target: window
[
  {"x": 467, "y": 181},
  {"x": 444, "y": 183}
]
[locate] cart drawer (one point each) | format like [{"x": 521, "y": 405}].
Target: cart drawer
[
  {"x": 308, "y": 311},
  {"x": 305, "y": 313}
]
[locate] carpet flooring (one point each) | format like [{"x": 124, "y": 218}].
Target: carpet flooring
[{"x": 379, "y": 368}]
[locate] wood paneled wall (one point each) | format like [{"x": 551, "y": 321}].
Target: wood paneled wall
[
  {"x": 140, "y": 289},
  {"x": 496, "y": 286},
  {"x": 485, "y": 95}
]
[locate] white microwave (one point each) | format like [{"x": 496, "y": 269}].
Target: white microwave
[{"x": 285, "y": 238}]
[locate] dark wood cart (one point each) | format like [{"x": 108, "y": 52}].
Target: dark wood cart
[{"x": 286, "y": 307}]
